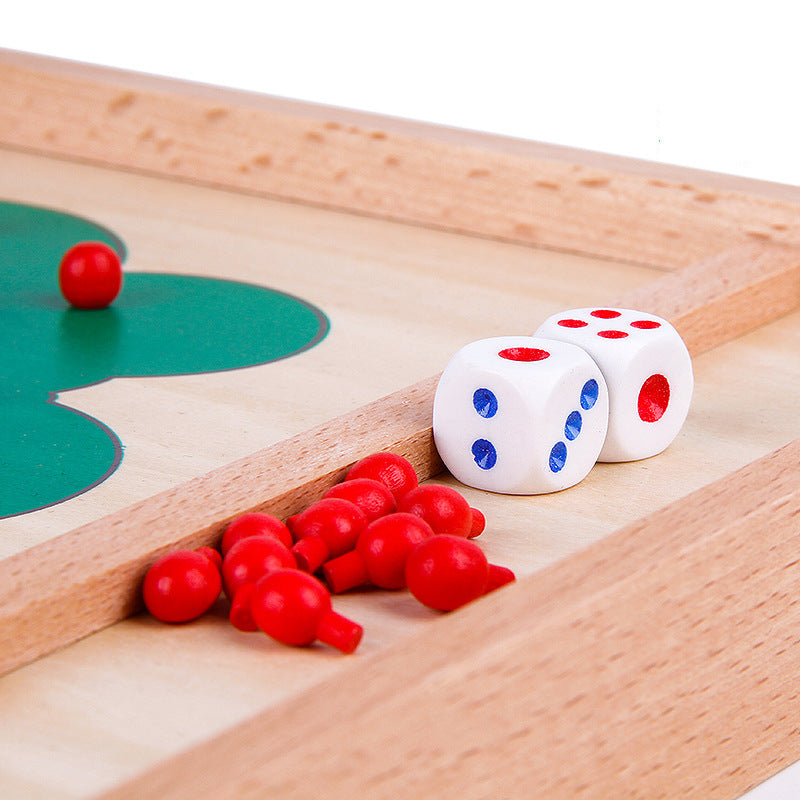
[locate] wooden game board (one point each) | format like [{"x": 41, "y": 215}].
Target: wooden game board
[{"x": 649, "y": 647}]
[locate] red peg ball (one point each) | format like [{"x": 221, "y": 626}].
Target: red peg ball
[
  {"x": 372, "y": 497},
  {"x": 240, "y": 615},
  {"x": 90, "y": 275},
  {"x": 290, "y": 521},
  {"x": 180, "y": 586},
  {"x": 326, "y": 529},
  {"x": 380, "y": 554},
  {"x": 446, "y": 572},
  {"x": 478, "y": 523},
  {"x": 293, "y": 607},
  {"x": 252, "y": 557},
  {"x": 390, "y": 469},
  {"x": 255, "y": 524},
  {"x": 212, "y": 555},
  {"x": 499, "y": 576},
  {"x": 442, "y": 507}
]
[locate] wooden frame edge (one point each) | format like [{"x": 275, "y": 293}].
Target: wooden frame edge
[
  {"x": 408, "y": 172},
  {"x": 731, "y": 247}
]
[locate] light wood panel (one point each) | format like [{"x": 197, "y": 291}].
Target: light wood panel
[
  {"x": 70, "y": 594},
  {"x": 401, "y": 299},
  {"x": 726, "y": 295},
  {"x": 88, "y": 716},
  {"x": 619, "y": 672},
  {"x": 657, "y": 648},
  {"x": 326, "y": 156}
]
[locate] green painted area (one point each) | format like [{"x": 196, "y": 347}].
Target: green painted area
[{"x": 158, "y": 325}]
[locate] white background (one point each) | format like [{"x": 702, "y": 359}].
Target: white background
[{"x": 712, "y": 85}]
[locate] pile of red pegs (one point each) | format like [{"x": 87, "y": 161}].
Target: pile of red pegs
[{"x": 378, "y": 527}]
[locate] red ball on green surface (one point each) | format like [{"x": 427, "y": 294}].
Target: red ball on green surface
[{"x": 90, "y": 275}]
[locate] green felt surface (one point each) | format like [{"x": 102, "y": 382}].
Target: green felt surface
[{"x": 158, "y": 325}]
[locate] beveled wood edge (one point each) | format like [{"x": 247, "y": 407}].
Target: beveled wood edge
[
  {"x": 582, "y": 202},
  {"x": 416, "y": 129}
]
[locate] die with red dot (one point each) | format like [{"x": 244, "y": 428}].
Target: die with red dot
[
  {"x": 646, "y": 367},
  {"x": 520, "y": 414}
]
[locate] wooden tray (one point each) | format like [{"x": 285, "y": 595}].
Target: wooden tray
[{"x": 649, "y": 647}]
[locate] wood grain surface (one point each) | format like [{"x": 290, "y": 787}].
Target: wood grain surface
[
  {"x": 726, "y": 295},
  {"x": 648, "y": 648},
  {"x": 80, "y": 583},
  {"x": 464, "y": 182},
  {"x": 66, "y": 588},
  {"x": 69, "y": 595},
  {"x": 620, "y": 672}
]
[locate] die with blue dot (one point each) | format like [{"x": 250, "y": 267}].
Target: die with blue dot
[
  {"x": 647, "y": 368},
  {"x": 520, "y": 415}
]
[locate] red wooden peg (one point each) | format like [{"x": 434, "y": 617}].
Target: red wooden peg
[
  {"x": 212, "y": 555},
  {"x": 250, "y": 558},
  {"x": 294, "y": 607},
  {"x": 499, "y": 576},
  {"x": 240, "y": 615},
  {"x": 478, "y": 523},
  {"x": 391, "y": 469},
  {"x": 181, "y": 585},
  {"x": 374, "y": 498},
  {"x": 326, "y": 529},
  {"x": 255, "y": 524},
  {"x": 445, "y": 572},
  {"x": 380, "y": 554},
  {"x": 444, "y": 509}
]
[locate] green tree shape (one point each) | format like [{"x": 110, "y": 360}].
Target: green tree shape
[{"x": 159, "y": 325}]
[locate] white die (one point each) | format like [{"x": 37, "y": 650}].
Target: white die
[
  {"x": 647, "y": 369},
  {"x": 520, "y": 415}
]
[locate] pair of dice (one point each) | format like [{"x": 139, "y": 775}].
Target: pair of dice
[{"x": 533, "y": 414}]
